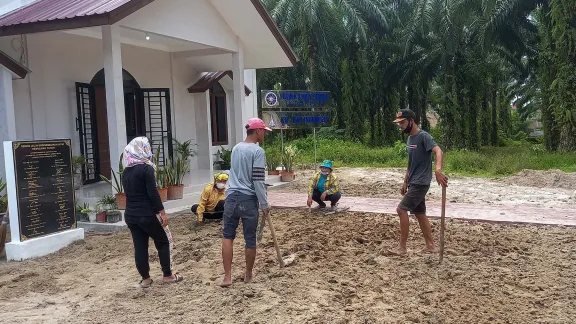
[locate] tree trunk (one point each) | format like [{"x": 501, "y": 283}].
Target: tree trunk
[
  {"x": 402, "y": 92},
  {"x": 485, "y": 117},
  {"x": 447, "y": 113},
  {"x": 494, "y": 128},
  {"x": 424, "y": 105},
  {"x": 473, "y": 119}
]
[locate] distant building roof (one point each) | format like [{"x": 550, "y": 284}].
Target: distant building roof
[
  {"x": 17, "y": 69},
  {"x": 208, "y": 79}
]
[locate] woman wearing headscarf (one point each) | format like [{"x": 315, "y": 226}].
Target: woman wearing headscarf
[
  {"x": 211, "y": 205},
  {"x": 145, "y": 215}
]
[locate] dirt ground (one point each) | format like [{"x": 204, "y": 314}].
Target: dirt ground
[
  {"x": 490, "y": 274},
  {"x": 529, "y": 187}
]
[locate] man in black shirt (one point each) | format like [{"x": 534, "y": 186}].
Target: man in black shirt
[{"x": 420, "y": 146}]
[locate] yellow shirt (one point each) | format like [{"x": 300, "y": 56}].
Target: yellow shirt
[{"x": 209, "y": 199}]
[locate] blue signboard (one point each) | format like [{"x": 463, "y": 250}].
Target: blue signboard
[
  {"x": 296, "y": 119},
  {"x": 272, "y": 99}
]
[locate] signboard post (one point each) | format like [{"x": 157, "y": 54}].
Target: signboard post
[
  {"x": 295, "y": 109},
  {"x": 40, "y": 197}
]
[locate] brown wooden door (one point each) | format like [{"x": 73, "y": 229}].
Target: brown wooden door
[{"x": 102, "y": 128}]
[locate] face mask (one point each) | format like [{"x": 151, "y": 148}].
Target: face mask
[
  {"x": 409, "y": 128},
  {"x": 220, "y": 185},
  {"x": 324, "y": 173}
]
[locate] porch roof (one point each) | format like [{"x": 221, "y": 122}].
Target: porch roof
[
  {"x": 208, "y": 79},
  {"x": 18, "y": 70},
  {"x": 55, "y": 15}
]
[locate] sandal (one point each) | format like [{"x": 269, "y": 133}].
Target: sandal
[
  {"x": 177, "y": 278},
  {"x": 148, "y": 285}
]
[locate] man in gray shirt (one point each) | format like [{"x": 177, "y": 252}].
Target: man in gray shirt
[
  {"x": 420, "y": 146},
  {"x": 246, "y": 190}
]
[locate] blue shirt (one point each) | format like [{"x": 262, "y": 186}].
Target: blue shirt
[{"x": 321, "y": 183}]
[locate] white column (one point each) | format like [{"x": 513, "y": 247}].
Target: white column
[
  {"x": 114, "y": 93},
  {"x": 240, "y": 118},
  {"x": 7, "y": 116}
]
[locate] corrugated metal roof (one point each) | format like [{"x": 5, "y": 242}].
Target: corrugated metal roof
[
  {"x": 208, "y": 79},
  {"x": 49, "y": 10}
]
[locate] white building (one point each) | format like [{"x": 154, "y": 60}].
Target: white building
[{"x": 104, "y": 71}]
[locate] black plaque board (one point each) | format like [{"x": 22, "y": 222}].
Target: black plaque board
[{"x": 44, "y": 187}]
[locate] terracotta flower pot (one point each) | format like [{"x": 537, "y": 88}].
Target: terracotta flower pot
[
  {"x": 101, "y": 217},
  {"x": 175, "y": 192},
  {"x": 288, "y": 176},
  {"x": 163, "y": 194},
  {"x": 273, "y": 172},
  {"x": 121, "y": 200}
]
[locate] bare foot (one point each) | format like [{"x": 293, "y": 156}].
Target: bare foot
[
  {"x": 248, "y": 278},
  {"x": 428, "y": 250},
  {"x": 393, "y": 252},
  {"x": 227, "y": 282}
]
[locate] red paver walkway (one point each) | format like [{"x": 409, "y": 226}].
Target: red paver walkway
[{"x": 480, "y": 212}]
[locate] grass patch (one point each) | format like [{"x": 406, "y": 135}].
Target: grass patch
[{"x": 487, "y": 162}]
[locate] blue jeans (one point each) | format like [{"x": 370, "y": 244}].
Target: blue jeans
[
  {"x": 333, "y": 198},
  {"x": 243, "y": 206}
]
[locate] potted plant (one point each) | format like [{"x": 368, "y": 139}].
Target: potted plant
[
  {"x": 225, "y": 157},
  {"x": 184, "y": 149},
  {"x": 175, "y": 175},
  {"x": 113, "y": 216},
  {"x": 117, "y": 185},
  {"x": 82, "y": 212},
  {"x": 91, "y": 214},
  {"x": 272, "y": 163},
  {"x": 161, "y": 183},
  {"x": 77, "y": 162},
  {"x": 288, "y": 158}
]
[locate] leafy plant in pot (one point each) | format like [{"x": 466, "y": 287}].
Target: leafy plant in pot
[
  {"x": 225, "y": 158},
  {"x": 117, "y": 185},
  {"x": 82, "y": 212},
  {"x": 110, "y": 207},
  {"x": 177, "y": 170},
  {"x": 161, "y": 178},
  {"x": 175, "y": 173},
  {"x": 288, "y": 158},
  {"x": 272, "y": 163}
]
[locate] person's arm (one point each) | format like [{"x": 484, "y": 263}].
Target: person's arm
[
  {"x": 258, "y": 177},
  {"x": 202, "y": 204},
  {"x": 430, "y": 145},
  {"x": 152, "y": 190},
  {"x": 440, "y": 177},
  {"x": 439, "y": 158}
]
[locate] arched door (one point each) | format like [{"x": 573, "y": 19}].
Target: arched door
[{"x": 147, "y": 113}]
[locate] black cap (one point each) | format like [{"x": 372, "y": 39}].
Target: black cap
[{"x": 404, "y": 114}]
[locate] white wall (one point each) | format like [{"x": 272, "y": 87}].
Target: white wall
[
  {"x": 173, "y": 17},
  {"x": 58, "y": 60}
]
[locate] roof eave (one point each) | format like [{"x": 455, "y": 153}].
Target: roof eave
[
  {"x": 18, "y": 70},
  {"x": 104, "y": 19}
]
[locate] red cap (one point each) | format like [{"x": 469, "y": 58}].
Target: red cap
[{"x": 257, "y": 123}]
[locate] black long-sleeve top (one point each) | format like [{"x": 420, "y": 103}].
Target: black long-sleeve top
[{"x": 142, "y": 197}]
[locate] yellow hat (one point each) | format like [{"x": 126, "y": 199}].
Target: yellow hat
[{"x": 221, "y": 177}]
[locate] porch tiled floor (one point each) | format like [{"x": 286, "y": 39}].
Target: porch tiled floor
[{"x": 488, "y": 213}]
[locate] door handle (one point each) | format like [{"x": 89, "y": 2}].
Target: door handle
[{"x": 77, "y": 124}]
